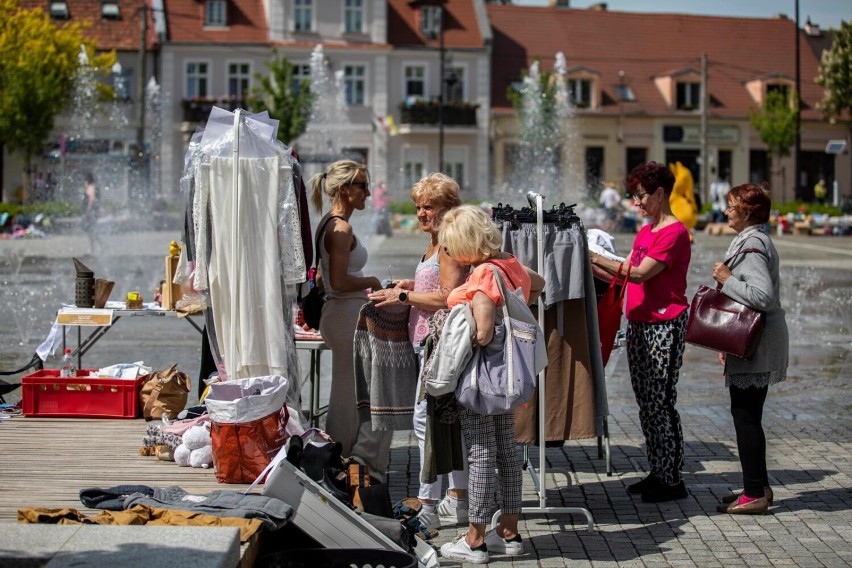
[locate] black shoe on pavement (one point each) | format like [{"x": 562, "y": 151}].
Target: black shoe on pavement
[
  {"x": 643, "y": 485},
  {"x": 661, "y": 492}
]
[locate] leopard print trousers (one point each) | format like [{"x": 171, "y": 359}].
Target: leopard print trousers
[{"x": 655, "y": 354}]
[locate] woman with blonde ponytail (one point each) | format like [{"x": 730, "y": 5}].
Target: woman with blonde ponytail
[{"x": 346, "y": 184}]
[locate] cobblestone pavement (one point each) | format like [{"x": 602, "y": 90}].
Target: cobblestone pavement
[{"x": 807, "y": 418}]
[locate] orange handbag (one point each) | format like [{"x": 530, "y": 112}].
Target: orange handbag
[{"x": 610, "y": 310}]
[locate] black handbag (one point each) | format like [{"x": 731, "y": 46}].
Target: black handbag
[
  {"x": 720, "y": 323},
  {"x": 313, "y": 301}
]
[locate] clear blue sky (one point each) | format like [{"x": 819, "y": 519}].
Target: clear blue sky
[{"x": 826, "y": 13}]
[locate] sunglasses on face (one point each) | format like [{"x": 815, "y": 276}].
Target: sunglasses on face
[{"x": 365, "y": 185}]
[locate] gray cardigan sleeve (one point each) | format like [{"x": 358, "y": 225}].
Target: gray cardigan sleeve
[{"x": 751, "y": 280}]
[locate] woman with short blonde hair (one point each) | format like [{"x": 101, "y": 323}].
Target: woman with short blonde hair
[
  {"x": 436, "y": 274},
  {"x": 470, "y": 238}
]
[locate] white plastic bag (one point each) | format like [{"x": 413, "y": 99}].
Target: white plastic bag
[{"x": 246, "y": 400}]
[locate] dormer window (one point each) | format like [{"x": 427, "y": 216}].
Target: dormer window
[
  {"x": 624, "y": 93},
  {"x": 772, "y": 83},
  {"x": 582, "y": 84},
  {"x": 216, "y": 13},
  {"x": 780, "y": 88},
  {"x": 110, "y": 10},
  {"x": 688, "y": 96},
  {"x": 59, "y": 10},
  {"x": 430, "y": 20},
  {"x": 581, "y": 92}
]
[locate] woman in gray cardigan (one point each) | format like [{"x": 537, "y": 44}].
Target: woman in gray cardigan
[{"x": 751, "y": 277}]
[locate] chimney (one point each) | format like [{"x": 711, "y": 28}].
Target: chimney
[
  {"x": 812, "y": 29},
  {"x": 561, "y": 4},
  {"x": 599, "y": 7}
]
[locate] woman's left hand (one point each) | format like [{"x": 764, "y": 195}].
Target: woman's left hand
[
  {"x": 385, "y": 297},
  {"x": 721, "y": 273}
]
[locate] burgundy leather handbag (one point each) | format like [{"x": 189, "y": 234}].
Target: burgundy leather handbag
[{"x": 720, "y": 323}]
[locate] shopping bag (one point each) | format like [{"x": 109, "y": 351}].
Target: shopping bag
[
  {"x": 502, "y": 375},
  {"x": 249, "y": 419},
  {"x": 610, "y": 310}
]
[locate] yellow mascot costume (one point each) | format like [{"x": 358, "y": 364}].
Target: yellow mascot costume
[{"x": 682, "y": 199}]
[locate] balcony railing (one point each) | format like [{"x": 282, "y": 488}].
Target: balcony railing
[
  {"x": 197, "y": 109},
  {"x": 455, "y": 114}
]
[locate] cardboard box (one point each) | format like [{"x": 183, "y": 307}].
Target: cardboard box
[
  {"x": 171, "y": 293},
  {"x": 45, "y": 394}
]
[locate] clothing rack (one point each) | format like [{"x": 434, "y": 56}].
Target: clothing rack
[{"x": 562, "y": 215}]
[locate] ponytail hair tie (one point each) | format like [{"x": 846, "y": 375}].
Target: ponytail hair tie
[{"x": 324, "y": 175}]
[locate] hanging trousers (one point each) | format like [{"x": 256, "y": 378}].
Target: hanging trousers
[{"x": 655, "y": 354}]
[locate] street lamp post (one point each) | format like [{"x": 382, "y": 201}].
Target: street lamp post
[{"x": 441, "y": 97}]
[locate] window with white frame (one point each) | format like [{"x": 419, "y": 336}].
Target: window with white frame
[
  {"x": 415, "y": 81},
  {"x": 239, "y": 79},
  {"x": 353, "y": 17},
  {"x": 688, "y": 96},
  {"x": 455, "y": 85},
  {"x": 354, "y": 77},
  {"x": 581, "y": 92},
  {"x": 455, "y": 159},
  {"x": 413, "y": 164},
  {"x": 196, "y": 79},
  {"x": 216, "y": 13},
  {"x": 123, "y": 83},
  {"x": 430, "y": 20},
  {"x": 303, "y": 15},
  {"x": 301, "y": 73}
]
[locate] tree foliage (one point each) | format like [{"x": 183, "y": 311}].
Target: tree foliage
[
  {"x": 277, "y": 93},
  {"x": 776, "y": 123},
  {"x": 835, "y": 75},
  {"x": 38, "y": 63}
]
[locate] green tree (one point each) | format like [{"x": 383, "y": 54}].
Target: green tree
[
  {"x": 287, "y": 102},
  {"x": 835, "y": 74},
  {"x": 38, "y": 63},
  {"x": 776, "y": 124}
]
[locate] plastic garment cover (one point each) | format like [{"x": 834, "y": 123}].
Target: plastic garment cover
[{"x": 247, "y": 256}]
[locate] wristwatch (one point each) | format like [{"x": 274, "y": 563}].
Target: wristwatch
[{"x": 403, "y": 297}]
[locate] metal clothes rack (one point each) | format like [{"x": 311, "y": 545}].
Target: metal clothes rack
[{"x": 562, "y": 215}]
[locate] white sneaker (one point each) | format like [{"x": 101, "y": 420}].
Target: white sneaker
[
  {"x": 450, "y": 514},
  {"x": 429, "y": 520},
  {"x": 499, "y": 545},
  {"x": 459, "y": 550}
]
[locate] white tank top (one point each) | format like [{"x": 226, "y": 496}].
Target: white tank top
[{"x": 358, "y": 257}]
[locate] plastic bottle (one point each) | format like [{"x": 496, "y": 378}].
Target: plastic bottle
[{"x": 67, "y": 369}]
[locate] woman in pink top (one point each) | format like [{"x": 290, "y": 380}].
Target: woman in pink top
[
  {"x": 434, "y": 277},
  {"x": 656, "y": 311},
  {"x": 469, "y": 237}
]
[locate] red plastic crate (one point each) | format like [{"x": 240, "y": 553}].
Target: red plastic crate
[{"x": 45, "y": 394}]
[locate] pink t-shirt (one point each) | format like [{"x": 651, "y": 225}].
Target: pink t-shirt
[
  {"x": 663, "y": 297},
  {"x": 482, "y": 280}
]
